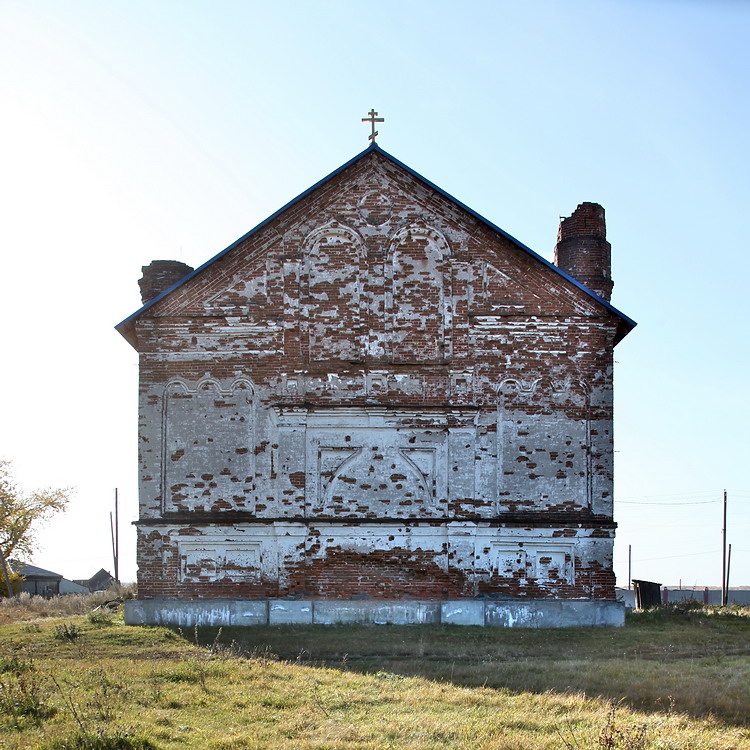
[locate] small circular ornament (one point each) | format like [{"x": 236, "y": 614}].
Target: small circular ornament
[{"x": 375, "y": 208}]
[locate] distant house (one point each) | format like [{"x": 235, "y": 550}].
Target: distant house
[
  {"x": 38, "y": 581},
  {"x": 71, "y": 587},
  {"x": 100, "y": 581}
]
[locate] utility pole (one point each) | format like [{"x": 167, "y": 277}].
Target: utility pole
[
  {"x": 114, "y": 529},
  {"x": 117, "y": 538},
  {"x": 724, "y": 592}
]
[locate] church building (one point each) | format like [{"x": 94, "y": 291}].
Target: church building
[{"x": 377, "y": 406}]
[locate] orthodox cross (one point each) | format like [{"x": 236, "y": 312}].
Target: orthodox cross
[{"x": 372, "y": 119}]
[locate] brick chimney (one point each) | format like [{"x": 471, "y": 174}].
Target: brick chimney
[
  {"x": 159, "y": 275},
  {"x": 582, "y": 250}
]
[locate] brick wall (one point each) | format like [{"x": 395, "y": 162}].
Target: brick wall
[{"x": 376, "y": 395}]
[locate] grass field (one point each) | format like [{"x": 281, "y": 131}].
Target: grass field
[{"x": 672, "y": 679}]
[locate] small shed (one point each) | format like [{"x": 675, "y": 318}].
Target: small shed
[{"x": 647, "y": 594}]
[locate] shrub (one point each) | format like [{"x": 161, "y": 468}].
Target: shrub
[
  {"x": 68, "y": 632},
  {"x": 101, "y": 617},
  {"x": 120, "y": 740}
]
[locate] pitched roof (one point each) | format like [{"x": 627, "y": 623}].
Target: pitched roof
[
  {"x": 101, "y": 576},
  {"x": 126, "y": 326},
  {"x": 32, "y": 571}
]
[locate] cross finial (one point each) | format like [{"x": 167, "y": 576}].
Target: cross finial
[{"x": 372, "y": 119}]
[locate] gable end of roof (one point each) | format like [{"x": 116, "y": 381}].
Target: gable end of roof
[{"x": 127, "y": 326}]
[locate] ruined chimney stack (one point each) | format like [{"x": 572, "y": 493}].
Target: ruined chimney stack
[
  {"x": 159, "y": 275},
  {"x": 582, "y": 250}
]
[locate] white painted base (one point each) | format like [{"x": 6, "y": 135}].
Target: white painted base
[{"x": 531, "y": 613}]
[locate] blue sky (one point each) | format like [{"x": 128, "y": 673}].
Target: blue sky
[{"x": 131, "y": 131}]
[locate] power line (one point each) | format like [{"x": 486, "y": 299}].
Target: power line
[
  {"x": 694, "y": 494},
  {"x": 689, "y": 495},
  {"x": 643, "y": 502},
  {"x": 672, "y": 557}
]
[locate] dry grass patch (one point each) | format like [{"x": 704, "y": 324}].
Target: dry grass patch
[{"x": 27, "y": 607}]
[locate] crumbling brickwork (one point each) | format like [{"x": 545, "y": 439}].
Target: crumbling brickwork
[{"x": 378, "y": 394}]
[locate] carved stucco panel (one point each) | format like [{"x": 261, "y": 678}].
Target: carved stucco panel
[
  {"x": 208, "y": 446},
  {"x": 544, "y": 432}
]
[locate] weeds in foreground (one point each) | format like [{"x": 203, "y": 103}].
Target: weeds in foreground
[
  {"x": 24, "y": 696},
  {"x": 93, "y": 700},
  {"x": 618, "y": 735},
  {"x": 97, "y": 715},
  {"x": 68, "y": 632},
  {"x": 615, "y": 735}
]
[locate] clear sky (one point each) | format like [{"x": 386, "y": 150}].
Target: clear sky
[{"x": 146, "y": 129}]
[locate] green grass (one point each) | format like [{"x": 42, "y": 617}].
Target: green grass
[
  {"x": 679, "y": 679},
  {"x": 696, "y": 658}
]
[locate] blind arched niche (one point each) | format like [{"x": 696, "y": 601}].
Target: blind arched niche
[{"x": 419, "y": 303}]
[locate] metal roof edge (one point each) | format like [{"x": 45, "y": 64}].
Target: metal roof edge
[
  {"x": 373, "y": 147},
  {"x": 27, "y": 569},
  {"x": 510, "y": 237}
]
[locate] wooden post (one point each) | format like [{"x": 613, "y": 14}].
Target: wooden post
[
  {"x": 112, "y": 537},
  {"x": 729, "y": 562},
  {"x": 630, "y": 566},
  {"x": 724, "y": 554}
]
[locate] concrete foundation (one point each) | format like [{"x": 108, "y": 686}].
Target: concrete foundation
[{"x": 500, "y": 613}]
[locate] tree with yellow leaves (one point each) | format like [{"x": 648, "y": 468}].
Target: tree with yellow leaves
[{"x": 21, "y": 515}]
